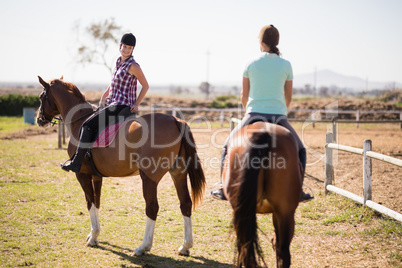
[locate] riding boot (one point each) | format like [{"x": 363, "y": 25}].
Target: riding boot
[
  {"x": 76, "y": 161},
  {"x": 303, "y": 159}
]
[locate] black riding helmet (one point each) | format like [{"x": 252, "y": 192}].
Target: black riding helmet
[{"x": 128, "y": 39}]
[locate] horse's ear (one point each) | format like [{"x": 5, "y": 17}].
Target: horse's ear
[
  {"x": 43, "y": 83},
  {"x": 61, "y": 78}
]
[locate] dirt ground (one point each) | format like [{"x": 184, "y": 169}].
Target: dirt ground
[
  {"x": 315, "y": 250},
  {"x": 386, "y": 178},
  {"x": 348, "y": 167}
]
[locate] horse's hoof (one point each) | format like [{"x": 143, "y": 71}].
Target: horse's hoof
[
  {"x": 184, "y": 252},
  {"x": 138, "y": 252},
  {"x": 91, "y": 242}
]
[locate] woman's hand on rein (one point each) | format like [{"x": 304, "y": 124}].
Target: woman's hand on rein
[{"x": 133, "y": 108}]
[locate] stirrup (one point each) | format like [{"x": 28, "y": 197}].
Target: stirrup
[
  {"x": 63, "y": 165},
  {"x": 70, "y": 166}
]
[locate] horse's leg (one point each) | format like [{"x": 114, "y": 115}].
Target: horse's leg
[
  {"x": 284, "y": 224},
  {"x": 92, "y": 188},
  {"x": 180, "y": 181},
  {"x": 149, "y": 188}
]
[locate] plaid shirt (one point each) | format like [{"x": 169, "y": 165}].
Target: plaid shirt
[{"x": 123, "y": 88}]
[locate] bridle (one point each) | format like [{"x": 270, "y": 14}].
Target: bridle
[{"x": 44, "y": 98}]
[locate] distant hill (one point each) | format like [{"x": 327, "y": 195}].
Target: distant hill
[{"x": 329, "y": 78}]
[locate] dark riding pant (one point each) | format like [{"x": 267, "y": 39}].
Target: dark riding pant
[{"x": 105, "y": 117}]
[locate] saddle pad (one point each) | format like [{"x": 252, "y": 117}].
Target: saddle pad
[{"x": 107, "y": 135}]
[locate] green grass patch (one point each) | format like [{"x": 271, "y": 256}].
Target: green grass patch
[
  {"x": 9, "y": 124},
  {"x": 395, "y": 259},
  {"x": 350, "y": 212}
]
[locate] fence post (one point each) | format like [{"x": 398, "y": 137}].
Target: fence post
[
  {"x": 357, "y": 118},
  {"x": 400, "y": 118},
  {"x": 334, "y": 130},
  {"x": 64, "y": 132},
  {"x": 313, "y": 118},
  {"x": 222, "y": 117},
  {"x": 60, "y": 134},
  {"x": 367, "y": 171},
  {"x": 329, "y": 169}
]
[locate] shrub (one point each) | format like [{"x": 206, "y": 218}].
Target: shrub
[
  {"x": 225, "y": 101},
  {"x": 13, "y": 104}
]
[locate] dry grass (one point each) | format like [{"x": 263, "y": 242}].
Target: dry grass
[{"x": 44, "y": 223}]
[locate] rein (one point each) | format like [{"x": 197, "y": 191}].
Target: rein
[{"x": 75, "y": 120}]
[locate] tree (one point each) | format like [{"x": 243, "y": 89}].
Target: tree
[
  {"x": 101, "y": 36},
  {"x": 205, "y": 88},
  {"x": 175, "y": 89}
]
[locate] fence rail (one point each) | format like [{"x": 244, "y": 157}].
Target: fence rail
[
  {"x": 315, "y": 115},
  {"x": 367, "y": 172}
]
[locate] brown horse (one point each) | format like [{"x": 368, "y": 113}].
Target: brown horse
[
  {"x": 262, "y": 174},
  {"x": 150, "y": 146}
]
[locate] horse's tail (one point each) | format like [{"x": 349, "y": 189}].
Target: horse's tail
[
  {"x": 245, "y": 218},
  {"x": 192, "y": 163}
]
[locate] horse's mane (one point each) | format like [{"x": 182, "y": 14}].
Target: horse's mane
[{"x": 70, "y": 87}]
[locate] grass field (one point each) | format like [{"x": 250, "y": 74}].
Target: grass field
[
  {"x": 9, "y": 124},
  {"x": 44, "y": 222}
]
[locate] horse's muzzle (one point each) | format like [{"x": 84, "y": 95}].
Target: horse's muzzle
[{"x": 41, "y": 122}]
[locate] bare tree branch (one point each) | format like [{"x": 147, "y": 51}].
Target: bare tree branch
[{"x": 101, "y": 36}]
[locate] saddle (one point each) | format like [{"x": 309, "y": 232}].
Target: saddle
[
  {"x": 104, "y": 137},
  {"x": 107, "y": 136}
]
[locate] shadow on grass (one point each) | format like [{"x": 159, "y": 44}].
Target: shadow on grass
[
  {"x": 153, "y": 261},
  {"x": 314, "y": 178}
]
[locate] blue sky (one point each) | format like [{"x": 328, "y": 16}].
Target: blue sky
[{"x": 357, "y": 38}]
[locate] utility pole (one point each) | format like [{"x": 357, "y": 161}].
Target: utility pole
[
  {"x": 207, "y": 80},
  {"x": 208, "y": 54},
  {"x": 367, "y": 83},
  {"x": 315, "y": 82}
]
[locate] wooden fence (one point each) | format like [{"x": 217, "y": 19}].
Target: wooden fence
[
  {"x": 315, "y": 116},
  {"x": 368, "y": 154}
]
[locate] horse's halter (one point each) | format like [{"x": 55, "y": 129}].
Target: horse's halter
[{"x": 44, "y": 99}]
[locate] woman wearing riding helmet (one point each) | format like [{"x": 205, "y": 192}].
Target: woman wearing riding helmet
[
  {"x": 121, "y": 94},
  {"x": 266, "y": 95}
]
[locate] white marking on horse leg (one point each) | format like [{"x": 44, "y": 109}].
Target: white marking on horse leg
[
  {"x": 148, "y": 238},
  {"x": 188, "y": 237},
  {"x": 92, "y": 239}
]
